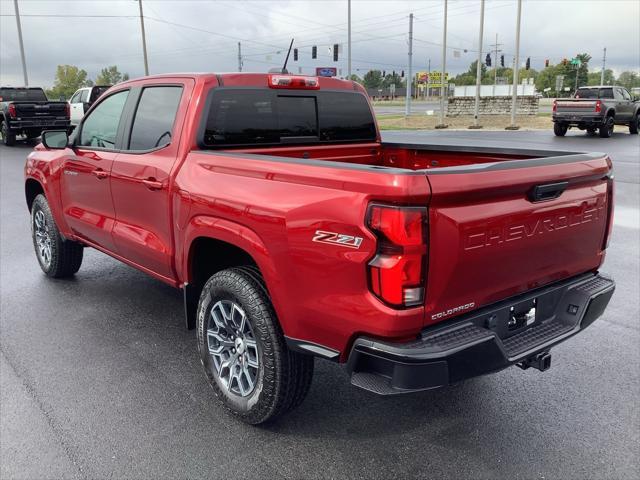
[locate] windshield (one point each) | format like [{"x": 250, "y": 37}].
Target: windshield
[
  {"x": 594, "y": 93},
  {"x": 240, "y": 117},
  {"x": 22, "y": 95}
]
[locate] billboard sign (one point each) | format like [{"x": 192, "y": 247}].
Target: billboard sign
[{"x": 326, "y": 71}]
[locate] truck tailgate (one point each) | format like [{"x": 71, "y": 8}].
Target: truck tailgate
[{"x": 497, "y": 230}]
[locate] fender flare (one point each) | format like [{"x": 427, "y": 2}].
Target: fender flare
[
  {"x": 51, "y": 193},
  {"x": 240, "y": 236}
]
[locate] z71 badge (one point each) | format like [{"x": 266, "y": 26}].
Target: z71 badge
[{"x": 337, "y": 239}]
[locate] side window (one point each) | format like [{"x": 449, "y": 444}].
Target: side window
[
  {"x": 76, "y": 97},
  {"x": 625, "y": 94},
  {"x": 99, "y": 129},
  {"x": 84, "y": 97},
  {"x": 153, "y": 122},
  {"x": 606, "y": 93}
]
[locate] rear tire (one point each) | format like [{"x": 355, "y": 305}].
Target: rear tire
[
  {"x": 634, "y": 125},
  {"x": 238, "y": 331},
  {"x": 58, "y": 258},
  {"x": 560, "y": 129},
  {"x": 606, "y": 130},
  {"x": 8, "y": 137}
]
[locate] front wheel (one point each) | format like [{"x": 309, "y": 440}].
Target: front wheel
[
  {"x": 57, "y": 256},
  {"x": 243, "y": 351},
  {"x": 606, "y": 129},
  {"x": 8, "y": 137},
  {"x": 560, "y": 129},
  {"x": 634, "y": 125}
]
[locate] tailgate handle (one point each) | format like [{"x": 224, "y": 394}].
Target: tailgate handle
[{"x": 540, "y": 193}]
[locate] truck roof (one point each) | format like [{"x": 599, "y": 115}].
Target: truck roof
[
  {"x": 596, "y": 86},
  {"x": 247, "y": 79}
]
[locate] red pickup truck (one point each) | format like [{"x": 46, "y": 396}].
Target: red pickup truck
[{"x": 295, "y": 232}]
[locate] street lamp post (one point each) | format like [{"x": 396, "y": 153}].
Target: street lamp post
[
  {"x": 516, "y": 65},
  {"x": 443, "y": 74},
  {"x": 476, "y": 123}
]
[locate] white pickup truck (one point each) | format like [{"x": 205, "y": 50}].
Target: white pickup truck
[{"x": 83, "y": 99}]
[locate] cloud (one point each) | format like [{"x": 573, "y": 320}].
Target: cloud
[{"x": 203, "y": 35}]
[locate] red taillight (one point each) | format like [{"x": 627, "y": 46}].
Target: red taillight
[
  {"x": 67, "y": 110},
  {"x": 397, "y": 272},
  {"x": 555, "y": 105},
  {"x": 598, "y": 106},
  {"x": 12, "y": 111},
  {"x": 294, "y": 82}
]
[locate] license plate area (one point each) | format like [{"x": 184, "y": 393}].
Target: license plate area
[{"x": 515, "y": 318}]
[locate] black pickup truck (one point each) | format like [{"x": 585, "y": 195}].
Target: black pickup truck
[
  {"x": 27, "y": 111},
  {"x": 596, "y": 108}
]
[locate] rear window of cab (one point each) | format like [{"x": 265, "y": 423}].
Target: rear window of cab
[{"x": 245, "y": 116}]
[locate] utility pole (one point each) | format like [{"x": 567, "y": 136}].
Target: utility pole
[
  {"x": 428, "y": 94},
  {"x": 407, "y": 103},
  {"x": 444, "y": 69},
  {"x": 144, "y": 40},
  {"x": 239, "y": 57},
  {"x": 516, "y": 64},
  {"x": 349, "y": 40},
  {"x": 24, "y": 62},
  {"x": 604, "y": 62},
  {"x": 476, "y": 124},
  {"x": 495, "y": 70}
]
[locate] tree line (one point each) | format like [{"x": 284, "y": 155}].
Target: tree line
[
  {"x": 70, "y": 78},
  {"x": 543, "y": 79}
]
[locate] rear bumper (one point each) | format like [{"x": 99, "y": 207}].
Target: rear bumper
[
  {"x": 579, "y": 120},
  {"x": 480, "y": 342}
]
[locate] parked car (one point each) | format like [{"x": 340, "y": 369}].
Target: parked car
[
  {"x": 27, "y": 111},
  {"x": 597, "y": 108},
  {"x": 82, "y": 100},
  {"x": 295, "y": 233}
]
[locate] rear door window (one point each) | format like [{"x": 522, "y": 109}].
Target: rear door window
[
  {"x": 240, "y": 117},
  {"x": 155, "y": 115}
]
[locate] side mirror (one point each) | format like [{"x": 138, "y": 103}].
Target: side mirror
[{"x": 55, "y": 139}]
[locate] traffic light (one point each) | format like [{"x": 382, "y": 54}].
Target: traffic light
[
  {"x": 527, "y": 65},
  {"x": 402, "y": 74},
  {"x": 502, "y": 60},
  {"x": 487, "y": 60},
  {"x": 314, "y": 52},
  {"x": 384, "y": 73},
  {"x": 393, "y": 74},
  {"x": 546, "y": 63},
  {"x": 335, "y": 52},
  {"x": 295, "y": 54}
]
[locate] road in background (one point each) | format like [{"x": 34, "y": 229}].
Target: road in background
[{"x": 98, "y": 377}]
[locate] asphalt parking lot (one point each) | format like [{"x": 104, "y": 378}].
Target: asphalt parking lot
[{"x": 99, "y": 379}]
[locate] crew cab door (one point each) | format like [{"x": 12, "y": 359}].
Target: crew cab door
[
  {"x": 141, "y": 176},
  {"x": 625, "y": 106},
  {"x": 85, "y": 185}
]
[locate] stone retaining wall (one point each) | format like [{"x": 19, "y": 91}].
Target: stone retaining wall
[{"x": 525, "y": 105}]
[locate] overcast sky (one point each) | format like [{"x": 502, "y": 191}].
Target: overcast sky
[{"x": 185, "y": 35}]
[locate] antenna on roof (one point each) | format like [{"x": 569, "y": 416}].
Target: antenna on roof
[{"x": 284, "y": 67}]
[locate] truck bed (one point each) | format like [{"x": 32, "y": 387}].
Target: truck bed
[
  {"x": 419, "y": 156},
  {"x": 501, "y": 221}
]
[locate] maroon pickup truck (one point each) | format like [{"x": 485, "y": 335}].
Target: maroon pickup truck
[{"x": 294, "y": 232}]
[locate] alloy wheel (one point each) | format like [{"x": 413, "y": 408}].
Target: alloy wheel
[
  {"x": 43, "y": 239},
  {"x": 233, "y": 348}
]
